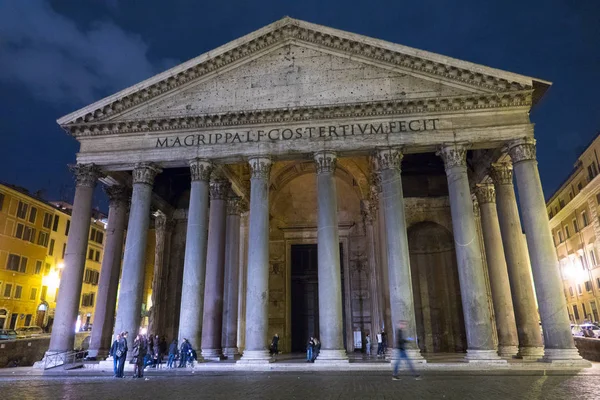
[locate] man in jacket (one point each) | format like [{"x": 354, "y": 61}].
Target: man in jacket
[
  {"x": 401, "y": 352},
  {"x": 122, "y": 353},
  {"x": 113, "y": 354},
  {"x": 185, "y": 348},
  {"x": 172, "y": 353}
]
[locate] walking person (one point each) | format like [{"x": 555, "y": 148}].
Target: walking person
[
  {"x": 274, "y": 348},
  {"x": 401, "y": 352},
  {"x": 185, "y": 348},
  {"x": 122, "y": 353},
  {"x": 172, "y": 353},
  {"x": 310, "y": 348},
  {"x": 368, "y": 344},
  {"x": 113, "y": 354}
]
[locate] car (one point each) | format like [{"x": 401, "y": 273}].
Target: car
[
  {"x": 29, "y": 331},
  {"x": 577, "y": 330},
  {"x": 7, "y": 334}
]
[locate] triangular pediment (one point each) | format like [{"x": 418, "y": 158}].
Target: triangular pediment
[
  {"x": 293, "y": 64},
  {"x": 294, "y": 76}
]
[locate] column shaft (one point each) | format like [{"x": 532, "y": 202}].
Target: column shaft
[
  {"x": 477, "y": 316},
  {"x": 104, "y": 313},
  {"x": 257, "y": 286},
  {"x": 67, "y": 305},
  {"x": 558, "y": 341},
  {"x": 526, "y": 314},
  {"x": 496, "y": 262},
  {"x": 194, "y": 267},
  {"x": 232, "y": 267},
  {"x": 400, "y": 282},
  {"x": 175, "y": 274},
  {"x": 328, "y": 247},
  {"x": 212, "y": 319},
  {"x": 132, "y": 278},
  {"x": 159, "y": 279},
  {"x": 373, "y": 287}
]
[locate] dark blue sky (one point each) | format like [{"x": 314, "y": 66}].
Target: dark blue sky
[{"x": 58, "y": 56}]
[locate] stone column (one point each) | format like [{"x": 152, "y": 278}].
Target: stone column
[
  {"x": 257, "y": 285},
  {"x": 232, "y": 268},
  {"x": 212, "y": 321},
  {"x": 132, "y": 278},
  {"x": 331, "y": 328},
  {"x": 496, "y": 262},
  {"x": 558, "y": 341},
  {"x": 531, "y": 345},
  {"x": 162, "y": 230},
  {"x": 400, "y": 282},
  {"x": 241, "y": 327},
  {"x": 175, "y": 273},
  {"x": 67, "y": 306},
  {"x": 480, "y": 338},
  {"x": 106, "y": 301},
  {"x": 194, "y": 267},
  {"x": 368, "y": 211}
]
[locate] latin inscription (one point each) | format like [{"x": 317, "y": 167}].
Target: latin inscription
[{"x": 307, "y": 132}]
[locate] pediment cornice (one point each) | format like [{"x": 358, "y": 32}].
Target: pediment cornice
[
  {"x": 286, "y": 115},
  {"x": 486, "y": 80}
]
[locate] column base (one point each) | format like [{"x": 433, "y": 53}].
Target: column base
[
  {"x": 566, "y": 357},
  {"x": 530, "y": 353},
  {"x": 484, "y": 356},
  {"x": 255, "y": 357},
  {"x": 508, "y": 351},
  {"x": 42, "y": 363},
  {"x": 332, "y": 357},
  {"x": 413, "y": 354},
  {"x": 97, "y": 354},
  {"x": 230, "y": 352},
  {"x": 212, "y": 354}
]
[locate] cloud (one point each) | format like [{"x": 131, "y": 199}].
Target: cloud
[{"x": 61, "y": 62}]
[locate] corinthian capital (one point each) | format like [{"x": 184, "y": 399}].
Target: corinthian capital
[
  {"x": 522, "y": 150},
  {"x": 260, "y": 167},
  {"x": 200, "y": 169},
  {"x": 485, "y": 193},
  {"x": 453, "y": 154},
  {"x": 219, "y": 189},
  {"x": 502, "y": 173},
  {"x": 234, "y": 205},
  {"x": 325, "y": 161},
  {"x": 389, "y": 158},
  {"x": 118, "y": 195},
  {"x": 145, "y": 173},
  {"x": 86, "y": 175}
]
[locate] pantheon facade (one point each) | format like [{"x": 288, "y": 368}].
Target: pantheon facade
[{"x": 307, "y": 181}]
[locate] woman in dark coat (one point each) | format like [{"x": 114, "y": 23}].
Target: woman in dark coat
[
  {"x": 172, "y": 353},
  {"x": 140, "y": 348}
]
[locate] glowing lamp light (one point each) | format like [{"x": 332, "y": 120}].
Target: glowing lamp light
[
  {"x": 51, "y": 280},
  {"x": 144, "y": 331},
  {"x": 60, "y": 265}
]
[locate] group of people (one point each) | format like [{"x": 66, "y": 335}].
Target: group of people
[
  {"x": 148, "y": 351},
  {"x": 313, "y": 348}
]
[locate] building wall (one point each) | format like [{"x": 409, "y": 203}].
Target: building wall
[{"x": 573, "y": 212}]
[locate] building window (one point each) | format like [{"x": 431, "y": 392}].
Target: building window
[
  {"x": 1, "y": 204},
  {"x": 567, "y": 233},
  {"x": 575, "y": 226},
  {"x": 97, "y": 257},
  {"x": 44, "y": 293},
  {"x": 99, "y": 237},
  {"x": 585, "y": 314},
  {"x": 33, "y": 294},
  {"x": 593, "y": 258},
  {"x": 51, "y": 248},
  {"x": 571, "y": 291},
  {"x": 55, "y": 225},
  {"x": 87, "y": 300},
  {"x": 579, "y": 186},
  {"x": 68, "y": 227},
  {"x": 90, "y": 254},
  {"x": 562, "y": 203},
  {"x": 18, "y": 291},
  {"x": 13, "y": 263},
  {"x": 22, "y": 210},
  {"x": 584, "y": 217},
  {"x": 592, "y": 171},
  {"x": 29, "y": 234},
  {"x": 47, "y": 220},
  {"x": 7, "y": 289},
  {"x": 64, "y": 250},
  {"x": 588, "y": 286},
  {"x": 43, "y": 239},
  {"x": 598, "y": 282},
  {"x": 560, "y": 238},
  {"x": 19, "y": 231},
  {"x": 579, "y": 289},
  {"x": 594, "y": 310},
  {"x": 575, "y": 312},
  {"x": 38, "y": 267},
  {"x": 555, "y": 210},
  {"x": 583, "y": 263},
  {"x": 32, "y": 215}
]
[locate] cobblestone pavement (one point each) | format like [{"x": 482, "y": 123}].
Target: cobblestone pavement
[{"x": 286, "y": 385}]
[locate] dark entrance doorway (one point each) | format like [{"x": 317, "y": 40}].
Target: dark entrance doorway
[{"x": 305, "y": 294}]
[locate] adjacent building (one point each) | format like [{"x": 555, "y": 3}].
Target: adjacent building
[
  {"x": 573, "y": 213},
  {"x": 33, "y": 240}
]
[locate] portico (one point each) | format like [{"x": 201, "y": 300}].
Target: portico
[{"x": 368, "y": 149}]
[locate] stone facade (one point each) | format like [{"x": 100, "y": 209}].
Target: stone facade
[{"x": 356, "y": 158}]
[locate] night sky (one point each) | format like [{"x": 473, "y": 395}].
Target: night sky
[{"x": 58, "y": 56}]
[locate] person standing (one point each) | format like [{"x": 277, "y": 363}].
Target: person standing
[
  {"x": 113, "y": 354},
  {"x": 317, "y": 348},
  {"x": 185, "y": 348},
  {"x": 172, "y": 353},
  {"x": 368, "y": 344},
  {"x": 275, "y": 345},
  {"x": 401, "y": 352},
  {"x": 140, "y": 348},
  {"x": 384, "y": 342},
  {"x": 379, "y": 344},
  {"x": 310, "y": 348},
  {"x": 157, "y": 355},
  {"x": 122, "y": 353}
]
